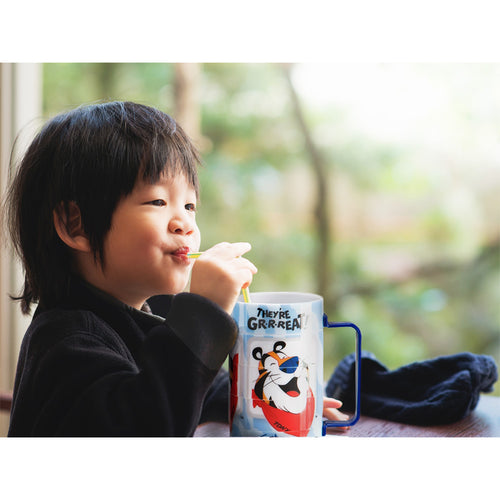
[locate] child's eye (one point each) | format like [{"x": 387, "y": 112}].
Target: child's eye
[
  {"x": 157, "y": 203},
  {"x": 191, "y": 207}
]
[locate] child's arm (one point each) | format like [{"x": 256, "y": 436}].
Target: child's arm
[
  {"x": 220, "y": 274},
  {"x": 80, "y": 378}
]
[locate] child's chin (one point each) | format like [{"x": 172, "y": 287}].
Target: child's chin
[{"x": 178, "y": 288}]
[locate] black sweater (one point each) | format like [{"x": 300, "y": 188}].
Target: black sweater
[{"x": 96, "y": 367}]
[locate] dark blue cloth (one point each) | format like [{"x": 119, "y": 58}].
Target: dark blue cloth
[{"x": 437, "y": 391}]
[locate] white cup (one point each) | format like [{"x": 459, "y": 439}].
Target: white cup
[{"x": 276, "y": 366}]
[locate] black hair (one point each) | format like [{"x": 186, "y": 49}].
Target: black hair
[{"x": 90, "y": 156}]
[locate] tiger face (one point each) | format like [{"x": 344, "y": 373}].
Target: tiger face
[{"x": 283, "y": 381}]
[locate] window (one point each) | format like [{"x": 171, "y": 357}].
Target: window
[{"x": 20, "y": 105}]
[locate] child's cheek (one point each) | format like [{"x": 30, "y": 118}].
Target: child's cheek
[{"x": 197, "y": 240}]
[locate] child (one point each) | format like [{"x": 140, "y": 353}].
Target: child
[{"x": 102, "y": 212}]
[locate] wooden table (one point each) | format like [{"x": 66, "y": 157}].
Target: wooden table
[{"x": 484, "y": 421}]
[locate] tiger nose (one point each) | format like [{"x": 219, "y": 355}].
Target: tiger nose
[{"x": 290, "y": 364}]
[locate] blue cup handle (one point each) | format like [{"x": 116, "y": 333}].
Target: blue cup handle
[{"x": 355, "y": 418}]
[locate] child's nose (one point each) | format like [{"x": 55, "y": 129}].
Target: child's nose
[{"x": 180, "y": 225}]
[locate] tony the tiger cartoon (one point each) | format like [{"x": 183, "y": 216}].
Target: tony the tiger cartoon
[
  {"x": 276, "y": 366},
  {"x": 282, "y": 390}
]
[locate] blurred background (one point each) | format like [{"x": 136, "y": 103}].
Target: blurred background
[{"x": 375, "y": 185}]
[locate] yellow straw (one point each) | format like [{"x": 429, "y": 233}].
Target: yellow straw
[
  {"x": 244, "y": 291},
  {"x": 246, "y": 295},
  {"x": 194, "y": 255}
]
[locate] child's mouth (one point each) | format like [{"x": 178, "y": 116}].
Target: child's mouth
[{"x": 181, "y": 255}]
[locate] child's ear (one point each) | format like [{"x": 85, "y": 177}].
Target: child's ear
[{"x": 68, "y": 225}]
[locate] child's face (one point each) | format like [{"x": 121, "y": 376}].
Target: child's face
[{"x": 152, "y": 229}]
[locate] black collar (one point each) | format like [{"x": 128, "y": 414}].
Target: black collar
[{"x": 131, "y": 324}]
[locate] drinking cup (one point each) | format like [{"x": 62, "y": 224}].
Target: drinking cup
[{"x": 276, "y": 366}]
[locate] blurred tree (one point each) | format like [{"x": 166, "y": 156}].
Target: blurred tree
[
  {"x": 187, "y": 109},
  {"x": 105, "y": 78},
  {"x": 322, "y": 211},
  {"x": 415, "y": 256}
]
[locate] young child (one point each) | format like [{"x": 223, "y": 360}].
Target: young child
[{"x": 102, "y": 213}]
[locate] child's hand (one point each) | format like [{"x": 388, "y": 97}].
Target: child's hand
[
  {"x": 331, "y": 412},
  {"x": 220, "y": 274}
]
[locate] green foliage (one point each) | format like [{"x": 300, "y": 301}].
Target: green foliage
[
  {"x": 415, "y": 255},
  {"x": 68, "y": 85}
]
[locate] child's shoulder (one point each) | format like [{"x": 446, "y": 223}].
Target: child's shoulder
[{"x": 59, "y": 325}]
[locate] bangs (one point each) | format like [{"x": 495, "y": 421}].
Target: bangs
[{"x": 170, "y": 156}]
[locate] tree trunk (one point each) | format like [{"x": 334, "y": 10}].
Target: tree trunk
[
  {"x": 322, "y": 217},
  {"x": 106, "y": 76},
  {"x": 187, "y": 100}
]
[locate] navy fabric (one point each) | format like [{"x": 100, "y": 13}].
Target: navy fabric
[{"x": 437, "y": 391}]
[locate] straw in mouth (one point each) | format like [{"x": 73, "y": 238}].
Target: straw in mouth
[{"x": 245, "y": 292}]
